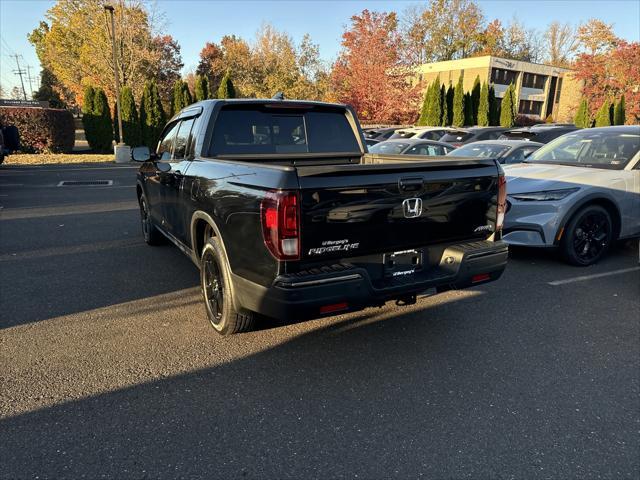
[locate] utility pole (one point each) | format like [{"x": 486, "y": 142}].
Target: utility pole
[
  {"x": 110, "y": 9},
  {"x": 19, "y": 72},
  {"x": 30, "y": 79}
]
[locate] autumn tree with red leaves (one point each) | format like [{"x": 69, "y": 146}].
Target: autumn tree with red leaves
[
  {"x": 369, "y": 74},
  {"x": 609, "y": 75}
]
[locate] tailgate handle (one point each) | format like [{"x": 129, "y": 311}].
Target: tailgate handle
[{"x": 412, "y": 184}]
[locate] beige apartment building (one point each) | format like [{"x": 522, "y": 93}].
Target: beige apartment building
[{"x": 539, "y": 87}]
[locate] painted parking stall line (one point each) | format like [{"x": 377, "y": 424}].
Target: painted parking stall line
[{"x": 584, "y": 278}]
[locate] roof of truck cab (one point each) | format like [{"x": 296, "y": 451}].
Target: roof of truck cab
[{"x": 264, "y": 101}]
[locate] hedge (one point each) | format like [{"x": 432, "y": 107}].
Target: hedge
[{"x": 42, "y": 130}]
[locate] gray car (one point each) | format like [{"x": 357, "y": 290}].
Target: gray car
[
  {"x": 412, "y": 146},
  {"x": 579, "y": 193},
  {"x": 505, "y": 151}
]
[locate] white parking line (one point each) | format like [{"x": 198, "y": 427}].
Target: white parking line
[{"x": 595, "y": 275}]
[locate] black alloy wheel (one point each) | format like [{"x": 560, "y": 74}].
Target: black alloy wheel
[
  {"x": 213, "y": 286},
  {"x": 589, "y": 235},
  {"x": 144, "y": 218},
  {"x": 151, "y": 234}
]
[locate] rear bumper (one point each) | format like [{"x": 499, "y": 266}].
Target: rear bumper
[{"x": 343, "y": 287}]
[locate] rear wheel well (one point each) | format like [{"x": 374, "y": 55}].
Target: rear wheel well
[
  {"x": 609, "y": 206},
  {"x": 202, "y": 232}
]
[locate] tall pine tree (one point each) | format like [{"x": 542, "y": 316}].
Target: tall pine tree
[
  {"x": 483, "y": 106},
  {"x": 458, "y": 103},
  {"x": 152, "y": 116},
  {"x": 619, "y": 113},
  {"x": 507, "y": 108},
  {"x": 603, "y": 116},
  {"x": 475, "y": 99},
  {"x": 201, "y": 88},
  {"x": 581, "y": 119},
  {"x": 494, "y": 107},
  {"x": 226, "y": 88},
  {"x": 450, "y": 95},
  {"x": 186, "y": 95},
  {"x": 424, "y": 111},
  {"x": 103, "y": 125},
  {"x": 176, "y": 98},
  {"x": 434, "y": 114},
  {"x": 468, "y": 109},
  {"x": 130, "y": 121},
  {"x": 87, "y": 116},
  {"x": 444, "y": 106}
]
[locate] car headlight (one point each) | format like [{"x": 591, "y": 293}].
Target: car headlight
[{"x": 547, "y": 195}]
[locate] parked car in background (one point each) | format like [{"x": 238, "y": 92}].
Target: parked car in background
[
  {"x": 412, "y": 146},
  {"x": 505, "y": 151},
  {"x": 462, "y": 136},
  {"x": 578, "y": 193},
  {"x": 380, "y": 134},
  {"x": 427, "y": 133},
  {"x": 371, "y": 141},
  {"x": 542, "y": 133}
]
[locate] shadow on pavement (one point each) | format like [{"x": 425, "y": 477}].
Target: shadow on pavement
[{"x": 434, "y": 391}]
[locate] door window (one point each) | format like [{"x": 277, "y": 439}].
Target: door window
[
  {"x": 165, "y": 146},
  {"x": 182, "y": 139}
]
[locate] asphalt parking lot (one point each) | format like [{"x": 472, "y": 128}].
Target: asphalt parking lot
[{"x": 108, "y": 367}]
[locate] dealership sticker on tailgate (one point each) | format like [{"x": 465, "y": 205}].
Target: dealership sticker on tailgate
[{"x": 329, "y": 246}]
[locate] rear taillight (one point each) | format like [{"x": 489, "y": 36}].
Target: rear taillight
[
  {"x": 280, "y": 217},
  {"x": 502, "y": 202}
]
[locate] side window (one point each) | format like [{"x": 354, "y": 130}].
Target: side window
[
  {"x": 182, "y": 139},
  {"x": 516, "y": 156},
  {"x": 526, "y": 151},
  {"x": 165, "y": 146}
]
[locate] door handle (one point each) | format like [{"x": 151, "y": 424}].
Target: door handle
[{"x": 410, "y": 184}]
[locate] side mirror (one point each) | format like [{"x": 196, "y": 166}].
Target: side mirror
[{"x": 140, "y": 154}]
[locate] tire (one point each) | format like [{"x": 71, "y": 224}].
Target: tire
[
  {"x": 587, "y": 236},
  {"x": 150, "y": 232},
  {"x": 218, "y": 294}
]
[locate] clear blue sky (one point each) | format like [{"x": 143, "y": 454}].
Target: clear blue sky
[{"x": 193, "y": 23}]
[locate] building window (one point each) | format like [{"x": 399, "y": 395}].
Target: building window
[
  {"x": 532, "y": 80},
  {"x": 502, "y": 76},
  {"x": 530, "y": 107},
  {"x": 559, "y": 89}
]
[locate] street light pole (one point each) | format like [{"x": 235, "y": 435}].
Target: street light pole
[{"x": 115, "y": 70}]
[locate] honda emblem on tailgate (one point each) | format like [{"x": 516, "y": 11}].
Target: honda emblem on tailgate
[{"x": 412, "y": 207}]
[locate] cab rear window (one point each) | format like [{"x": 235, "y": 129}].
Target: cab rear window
[{"x": 271, "y": 130}]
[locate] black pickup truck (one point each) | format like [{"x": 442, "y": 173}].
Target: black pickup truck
[{"x": 287, "y": 215}]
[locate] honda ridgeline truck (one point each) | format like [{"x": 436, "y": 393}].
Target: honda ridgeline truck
[{"x": 287, "y": 215}]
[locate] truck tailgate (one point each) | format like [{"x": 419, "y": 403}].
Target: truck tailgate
[{"x": 392, "y": 203}]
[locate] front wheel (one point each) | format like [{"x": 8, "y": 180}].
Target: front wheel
[
  {"x": 151, "y": 234},
  {"x": 217, "y": 290},
  {"x": 588, "y": 236}
]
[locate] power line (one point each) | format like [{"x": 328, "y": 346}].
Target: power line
[{"x": 6, "y": 46}]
